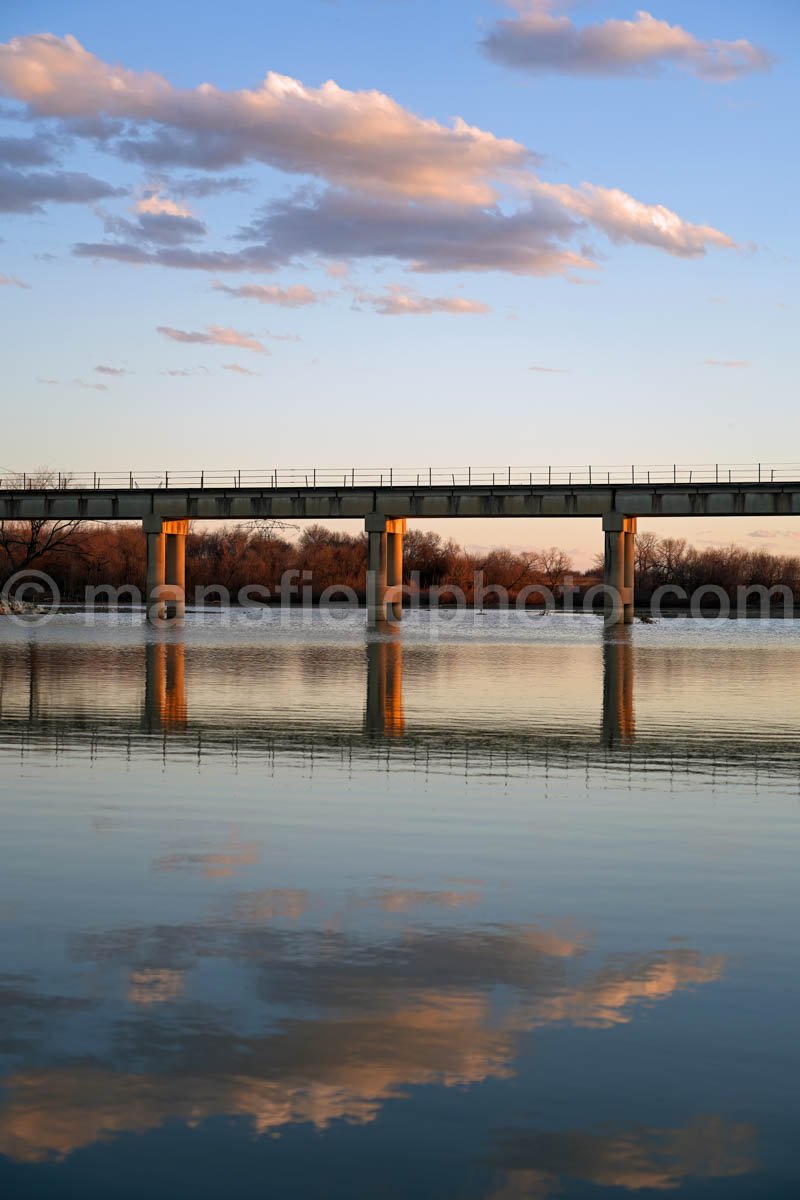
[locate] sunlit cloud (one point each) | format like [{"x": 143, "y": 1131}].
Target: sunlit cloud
[
  {"x": 395, "y": 301},
  {"x": 735, "y": 363},
  {"x": 12, "y": 281},
  {"x": 538, "y": 39},
  {"x": 356, "y": 139},
  {"x": 155, "y": 203},
  {"x": 549, "y": 370},
  {"x": 624, "y": 219},
  {"x": 400, "y": 187},
  {"x": 215, "y": 335},
  {"x": 295, "y": 296},
  {"x": 237, "y": 369},
  {"x": 101, "y": 369}
]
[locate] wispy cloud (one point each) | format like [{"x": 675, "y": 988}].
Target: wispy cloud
[
  {"x": 295, "y": 296},
  {"x": 92, "y": 387},
  {"x": 735, "y": 363},
  {"x": 103, "y": 370},
  {"x": 549, "y": 370},
  {"x": 396, "y": 301},
  {"x": 238, "y": 369},
  {"x": 214, "y": 335},
  {"x": 12, "y": 281},
  {"x": 539, "y": 39}
]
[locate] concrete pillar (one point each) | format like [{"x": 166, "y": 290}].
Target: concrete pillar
[
  {"x": 375, "y": 525},
  {"x": 165, "y": 596},
  {"x": 630, "y": 552},
  {"x": 618, "y": 712},
  {"x": 175, "y": 570},
  {"x": 394, "y": 563},
  {"x": 618, "y": 573},
  {"x": 384, "y": 708},
  {"x": 156, "y": 569}
]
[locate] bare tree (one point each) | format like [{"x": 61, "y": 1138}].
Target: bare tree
[
  {"x": 25, "y": 542},
  {"x": 554, "y": 564}
]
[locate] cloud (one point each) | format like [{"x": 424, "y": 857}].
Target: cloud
[
  {"x": 25, "y": 152},
  {"x": 295, "y": 296},
  {"x": 435, "y": 197},
  {"x": 396, "y": 301},
  {"x": 237, "y": 369},
  {"x": 28, "y": 192},
  {"x": 549, "y": 370},
  {"x": 336, "y": 224},
  {"x": 726, "y": 362},
  {"x": 205, "y": 185},
  {"x": 769, "y": 535},
  {"x": 92, "y": 387},
  {"x": 159, "y": 221},
  {"x": 538, "y": 40},
  {"x": 50, "y": 382},
  {"x": 364, "y": 140},
  {"x": 103, "y": 370},
  {"x": 624, "y": 219},
  {"x": 216, "y": 335},
  {"x": 154, "y": 202},
  {"x": 12, "y": 281}
]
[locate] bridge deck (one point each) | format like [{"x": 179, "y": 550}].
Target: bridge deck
[{"x": 97, "y": 501}]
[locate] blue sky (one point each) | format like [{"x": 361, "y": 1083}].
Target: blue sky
[{"x": 637, "y": 339}]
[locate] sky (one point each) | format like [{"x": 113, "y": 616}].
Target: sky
[{"x": 396, "y": 232}]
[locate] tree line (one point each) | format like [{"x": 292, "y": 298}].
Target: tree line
[{"x": 78, "y": 555}]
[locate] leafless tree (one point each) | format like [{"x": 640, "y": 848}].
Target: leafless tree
[
  {"x": 554, "y": 564},
  {"x": 25, "y": 542}
]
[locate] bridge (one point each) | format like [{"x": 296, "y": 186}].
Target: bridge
[{"x": 386, "y": 498}]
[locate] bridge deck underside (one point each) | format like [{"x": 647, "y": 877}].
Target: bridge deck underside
[{"x": 658, "y": 500}]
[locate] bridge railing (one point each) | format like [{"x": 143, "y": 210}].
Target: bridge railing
[{"x": 402, "y": 477}]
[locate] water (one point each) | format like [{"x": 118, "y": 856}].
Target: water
[{"x": 501, "y": 909}]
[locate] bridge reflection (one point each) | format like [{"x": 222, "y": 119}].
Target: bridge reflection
[{"x": 501, "y": 706}]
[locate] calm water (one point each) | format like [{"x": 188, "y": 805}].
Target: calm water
[{"x": 498, "y": 911}]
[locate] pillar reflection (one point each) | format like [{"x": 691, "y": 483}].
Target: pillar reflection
[
  {"x": 384, "y": 706},
  {"x": 165, "y": 686},
  {"x": 619, "y": 722}
]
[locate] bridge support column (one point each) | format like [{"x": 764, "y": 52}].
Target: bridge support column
[
  {"x": 394, "y": 566},
  {"x": 377, "y": 568},
  {"x": 620, "y": 532},
  {"x": 629, "y": 534},
  {"x": 166, "y": 568}
]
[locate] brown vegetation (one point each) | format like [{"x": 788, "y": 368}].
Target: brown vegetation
[{"x": 80, "y": 555}]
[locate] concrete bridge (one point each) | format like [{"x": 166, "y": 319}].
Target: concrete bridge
[{"x": 386, "y": 498}]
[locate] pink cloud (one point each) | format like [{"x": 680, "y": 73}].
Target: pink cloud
[
  {"x": 538, "y": 40},
  {"x": 296, "y": 296},
  {"x": 215, "y": 335}
]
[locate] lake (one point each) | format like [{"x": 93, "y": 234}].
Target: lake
[{"x": 498, "y": 907}]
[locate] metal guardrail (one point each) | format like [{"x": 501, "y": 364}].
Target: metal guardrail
[{"x": 403, "y": 477}]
